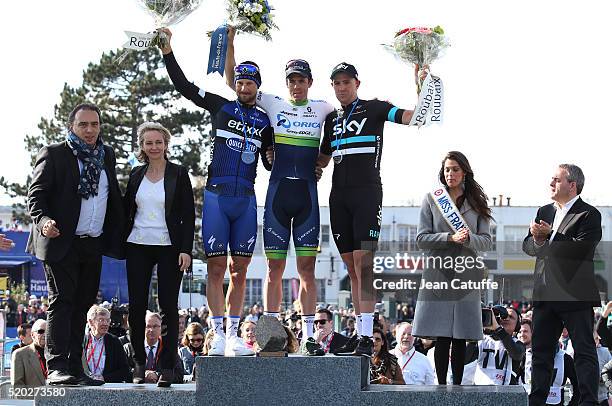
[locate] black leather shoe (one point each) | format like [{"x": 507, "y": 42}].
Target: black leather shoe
[
  {"x": 364, "y": 347},
  {"x": 139, "y": 373},
  {"x": 85, "y": 380},
  {"x": 57, "y": 377},
  {"x": 166, "y": 378},
  {"x": 350, "y": 345}
]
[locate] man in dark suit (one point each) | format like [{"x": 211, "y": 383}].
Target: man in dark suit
[
  {"x": 563, "y": 238},
  {"x": 103, "y": 356},
  {"x": 324, "y": 334},
  {"x": 153, "y": 346},
  {"x": 75, "y": 204}
]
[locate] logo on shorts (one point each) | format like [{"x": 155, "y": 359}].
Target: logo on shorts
[
  {"x": 251, "y": 241},
  {"x": 274, "y": 233},
  {"x": 305, "y": 234},
  {"x": 211, "y": 241},
  {"x": 379, "y": 215},
  {"x": 337, "y": 236}
]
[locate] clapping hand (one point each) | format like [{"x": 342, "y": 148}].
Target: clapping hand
[{"x": 540, "y": 231}]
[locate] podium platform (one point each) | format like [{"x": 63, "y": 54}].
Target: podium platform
[
  {"x": 298, "y": 380},
  {"x": 293, "y": 380},
  {"x": 122, "y": 394}
]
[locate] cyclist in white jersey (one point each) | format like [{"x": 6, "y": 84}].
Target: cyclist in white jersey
[{"x": 292, "y": 206}]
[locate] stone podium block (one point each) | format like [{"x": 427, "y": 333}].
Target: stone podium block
[
  {"x": 121, "y": 394},
  {"x": 284, "y": 381},
  {"x": 447, "y": 395}
]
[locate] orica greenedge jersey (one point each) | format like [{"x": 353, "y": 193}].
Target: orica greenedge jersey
[{"x": 297, "y": 134}]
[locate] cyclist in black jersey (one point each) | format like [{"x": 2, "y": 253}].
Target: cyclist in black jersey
[
  {"x": 240, "y": 131},
  {"x": 353, "y": 137}
]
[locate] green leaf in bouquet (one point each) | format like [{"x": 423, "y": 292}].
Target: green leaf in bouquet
[{"x": 438, "y": 30}]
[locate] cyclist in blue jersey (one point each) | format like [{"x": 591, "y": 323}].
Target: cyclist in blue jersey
[
  {"x": 240, "y": 131},
  {"x": 353, "y": 136},
  {"x": 292, "y": 206}
]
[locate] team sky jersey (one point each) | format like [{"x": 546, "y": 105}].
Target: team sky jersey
[
  {"x": 361, "y": 144},
  {"x": 227, "y": 173},
  {"x": 297, "y": 135}
]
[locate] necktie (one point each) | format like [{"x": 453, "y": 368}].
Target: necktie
[{"x": 150, "y": 359}]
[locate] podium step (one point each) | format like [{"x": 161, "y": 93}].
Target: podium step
[
  {"x": 121, "y": 394},
  {"x": 449, "y": 395}
]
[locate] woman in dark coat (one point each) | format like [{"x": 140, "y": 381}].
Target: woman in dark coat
[{"x": 161, "y": 221}]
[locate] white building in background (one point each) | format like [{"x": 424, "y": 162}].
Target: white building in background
[{"x": 507, "y": 264}]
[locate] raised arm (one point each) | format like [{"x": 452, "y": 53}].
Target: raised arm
[
  {"x": 187, "y": 89},
  {"x": 407, "y": 114},
  {"x": 230, "y": 59}
]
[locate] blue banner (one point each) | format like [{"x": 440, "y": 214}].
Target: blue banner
[{"x": 218, "y": 48}]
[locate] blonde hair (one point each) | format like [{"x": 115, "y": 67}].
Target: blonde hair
[
  {"x": 245, "y": 324},
  {"x": 150, "y": 126},
  {"x": 192, "y": 330}
]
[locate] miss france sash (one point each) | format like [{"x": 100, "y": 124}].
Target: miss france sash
[{"x": 449, "y": 211}]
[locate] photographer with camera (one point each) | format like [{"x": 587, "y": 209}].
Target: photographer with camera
[
  {"x": 117, "y": 317},
  {"x": 499, "y": 354}
]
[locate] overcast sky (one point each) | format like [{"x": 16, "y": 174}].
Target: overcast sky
[{"x": 527, "y": 82}]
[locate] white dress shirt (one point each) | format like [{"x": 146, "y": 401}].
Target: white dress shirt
[
  {"x": 150, "y": 219},
  {"x": 416, "y": 367},
  {"x": 560, "y": 215},
  {"x": 93, "y": 210}
]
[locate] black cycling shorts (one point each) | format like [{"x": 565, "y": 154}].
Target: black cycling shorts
[{"x": 356, "y": 214}]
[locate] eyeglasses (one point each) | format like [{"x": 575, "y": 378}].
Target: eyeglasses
[
  {"x": 321, "y": 322},
  {"x": 246, "y": 69},
  {"x": 41, "y": 331}
]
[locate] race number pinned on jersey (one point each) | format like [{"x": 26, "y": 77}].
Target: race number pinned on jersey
[{"x": 430, "y": 107}]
